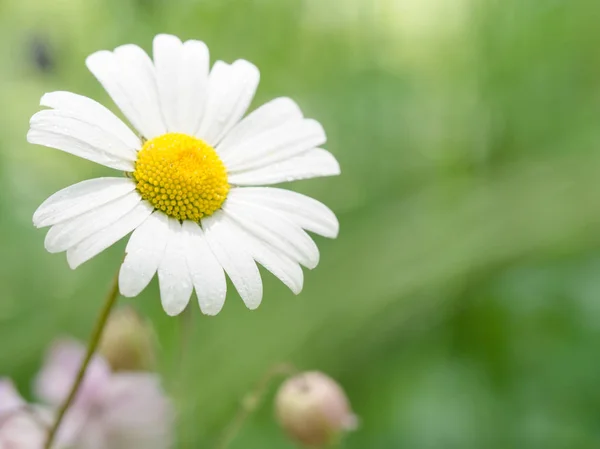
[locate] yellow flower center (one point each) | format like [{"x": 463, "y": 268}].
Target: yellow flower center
[{"x": 181, "y": 176}]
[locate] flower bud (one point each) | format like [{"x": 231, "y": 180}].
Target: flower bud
[
  {"x": 313, "y": 409},
  {"x": 128, "y": 341}
]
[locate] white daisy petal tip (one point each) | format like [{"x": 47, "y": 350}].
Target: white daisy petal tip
[
  {"x": 165, "y": 37},
  {"x": 210, "y": 311},
  {"x": 335, "y": 230},
  {"x": 97, "y": 58},
  {"x": 173, "y": 308},
  {"x": 32, "y": 136},
  {"x": 144, "y": 253},
  {"x": 44, "y": 99},
  {"x": 127, "y": 287},
  {"x": 197, "y": 46},
  {"x": 251, "y": 71},
  {"x": 174, "y": 280},
  {"x": 126, "y": 291},
  {"x": 313, "y": 264},
  {"x": 288, "y": 104},
  {"x": 205, "y": 270},
  {"x": 318, "y": 129}
]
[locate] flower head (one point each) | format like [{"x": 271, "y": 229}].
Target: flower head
[
  {"x": 191, "y": 194},
  {"x": 112, "y": 410},
  {"x": 313, "y": 409}
]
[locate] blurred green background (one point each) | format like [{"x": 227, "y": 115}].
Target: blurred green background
[{"x": 460, "y": 305}]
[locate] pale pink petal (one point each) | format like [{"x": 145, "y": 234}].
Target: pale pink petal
[
  {"x": 138, "y": 414},
  {"x": 20, "y": 428},
  {"x": 91, "y": 434},
  {"x": 21, "y": 431},
  {"x": 60, "y": 368},
  {"x": 10, "y": 399}
]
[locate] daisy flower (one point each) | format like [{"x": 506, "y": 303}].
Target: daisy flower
[{"x": 192, "y": 192}]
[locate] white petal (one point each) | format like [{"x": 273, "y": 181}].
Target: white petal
[
  {"x": 144, "y": 252},
  {"x": 173, "y": 275},
  {"x": 168, "y": 54},
  {"x": 267, "y": 117},
  {"x": 182, "y": 77},
  {"x": 91, "y": 111},
  {"x": 68, "y": 144},
  {"x": 193, "y": 85},
  {"x": 65, "y": 235},
  {"x": 103, "y": 141},
  {"x": 288, "y": 271},
  {"x": 303, "y": 210},
  {"x": 274, "y": 230},
  {"x": 128, "y": 76},
  {"x": 312, "y": 164},
  {"x": 230, "y": 91},
  {"x": 234, "y": 259},
  {"x": 206, "y": 272},
  {"x": 80, "y": 198},
  {"x": 284, "y": 142},
  {"x": 98, "y": 242}
]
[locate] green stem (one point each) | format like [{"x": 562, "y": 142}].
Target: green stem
[
  {"x": 251, "y": 402},
  {"x": 109, "y": 302},
  {"x": 179, "y": 377}
]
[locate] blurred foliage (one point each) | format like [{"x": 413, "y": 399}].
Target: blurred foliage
[{"x": 460, "y": 306}]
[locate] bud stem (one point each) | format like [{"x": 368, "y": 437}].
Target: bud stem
[
  {"x": 252, "y": 401},
  {"x": 109, "y": 302}
]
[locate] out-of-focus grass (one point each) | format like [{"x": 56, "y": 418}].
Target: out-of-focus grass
[{"x": 460, "y": 304}]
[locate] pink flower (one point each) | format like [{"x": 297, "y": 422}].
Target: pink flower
[
  {"x": 112, "y": 410},
  {"x": 19, "y": 427}
]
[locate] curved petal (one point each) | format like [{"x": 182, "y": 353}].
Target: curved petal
[
  {"x": 128, "y": 76},
  {"x": 79, "y": 199},
  {"x": 267, "y": 117},
  {"x": 173, "y": 276},
  {"x": 230, "y": 91},
  {"x": 182, "y": 77},
  {"x": 284, "y": 142},
  {"x": 274, "y": 230},
  {"x": 235, "y": 260},
  {"x": 96, "y": 243},
  {"x": 312, "y": 164},
  {"x": 61, "y": 140},
  {"x": 144, "y": 252},
  {"x": 284, "y": 268},
  {"x": 206, "y": 272},
  {"x": 65, "y": 235},
  {"x": 105, "y": 143},
  {"x": 303, "y": 210},
  {"x": 91, "y": 111}
]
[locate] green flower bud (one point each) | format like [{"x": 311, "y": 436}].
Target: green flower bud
[{"x": 128, "y": 341}]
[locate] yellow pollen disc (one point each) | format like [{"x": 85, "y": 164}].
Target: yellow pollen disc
[{"x": 182, "y": 176}]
